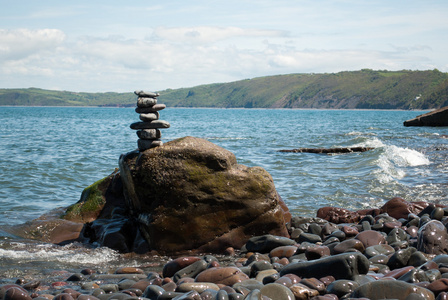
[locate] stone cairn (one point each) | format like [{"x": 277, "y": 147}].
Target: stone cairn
[{"x": 148, "y": 130}]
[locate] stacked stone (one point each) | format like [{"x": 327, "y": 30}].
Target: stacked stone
[{"x": 148, "y": 130}]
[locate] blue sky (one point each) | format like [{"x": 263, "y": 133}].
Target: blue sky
[{"x": 120, "y": 46}]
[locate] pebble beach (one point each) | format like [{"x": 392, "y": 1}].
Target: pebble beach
[{"x": 378, "y": 257}]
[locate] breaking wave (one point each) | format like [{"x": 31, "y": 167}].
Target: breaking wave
[
  {"x": 24, "y": 253},
  {"x": 393, "y": 161}
]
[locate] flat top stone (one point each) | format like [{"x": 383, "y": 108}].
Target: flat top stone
[
  {"x": 150, "y": 125},
  {"x": 141, "y": 93}
]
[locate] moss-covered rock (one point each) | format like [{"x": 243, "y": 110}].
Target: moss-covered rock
[
  {"x": 97, "y": 200},
  {"x": 192, "y": 195}
]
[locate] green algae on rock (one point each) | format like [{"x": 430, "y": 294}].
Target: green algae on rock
[
  {"x": 92, "y": 201},
  {"x": 192, "y": 194}
]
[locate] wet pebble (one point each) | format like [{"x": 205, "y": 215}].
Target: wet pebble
[
  {"x": 277, "y": 291},
  {"x": 342, "y": 287},
  {"x": 16, "y": 293},
  {"x": 129, "y": 270},
  {"x": 370, "y": 238},
  {"x": 225, "y": 275}
]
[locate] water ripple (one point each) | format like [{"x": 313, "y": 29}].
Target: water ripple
[{"x": 49, "y": 155}]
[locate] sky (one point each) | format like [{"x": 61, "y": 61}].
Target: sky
[{"x": 122, "y": 46}]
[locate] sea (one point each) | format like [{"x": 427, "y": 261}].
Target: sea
[{"x": 48, "y": 155}]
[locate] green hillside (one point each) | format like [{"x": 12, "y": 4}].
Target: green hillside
[
  {"x": 365, "y": 89},
  {"x": 40, "y": 97}
]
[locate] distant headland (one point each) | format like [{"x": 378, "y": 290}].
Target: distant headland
[{"x": 364, "y": 89}]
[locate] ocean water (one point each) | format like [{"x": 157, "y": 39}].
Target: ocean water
[{"x": 50, "y": 154}]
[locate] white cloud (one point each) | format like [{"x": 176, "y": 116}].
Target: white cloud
[
  {"x": 180, "y": 56},
  {"x": 211, "y": 34},
  {"x": 21, "y": 43}
]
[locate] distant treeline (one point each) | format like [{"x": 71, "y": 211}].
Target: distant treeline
[{"x": 365, "y": 89}]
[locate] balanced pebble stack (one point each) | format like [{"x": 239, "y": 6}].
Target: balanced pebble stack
[{"x": 148, "y": 130}]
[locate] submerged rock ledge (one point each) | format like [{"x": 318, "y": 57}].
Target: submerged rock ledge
[{"x": 438, "y": 117}]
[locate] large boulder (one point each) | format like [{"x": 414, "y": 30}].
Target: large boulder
[
  {"x": 191, "y": 194},
  {"x": 188, "y": 195}
]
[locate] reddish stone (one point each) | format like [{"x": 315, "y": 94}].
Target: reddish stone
[
  {"x": 58, "y": 284},
  {"x": 63, "y": 296},
  {"x": 213, "y": 264},
  {"x": 438, "y": 286},
  {"x": 313, "y": 253},
  {"x": 283, "y": 261},
  {"x": 286, "y": 213},
  {"x": 412, "y": 231},
  {"x": 338, "y": 215},
  {"x": 130, "y": 293},
  {"x": 286, "y": 281},
  {"x": 72, "y": 293},
  {"x": 283, "y": 251},
  {"x": 129, "y": 270},
  {"x": 229, "y": 251},
  {"x": 396, "y": 208},
  {"x": 294, "y": 278},
  {"x": 388, "y": 226},
  {"x": 430, "y": 265},
  {"x": 327, "y": 280},
  {"x": 371, "y": 238},
  {"x": 399, "y": 208},
  {"x": 347, "y": 245},
  {"x": 397, "y": 273},
  {"x": 16, "y": 293},
  {"x": 350, "y": 231},
  {"x": 87, "y": 271},
  {"x": 177, "y": 264},
  {"x": 226, "y": 276},
  {"x": 156, "y": 281},
  {"x": 141, "y": 284},
  {"x": 315, "y": 284}
]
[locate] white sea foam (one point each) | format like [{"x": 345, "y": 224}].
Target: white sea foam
[
  {"x": 69, "y": 254},
  {"x": 371, "y": 142},
  {"x": 393, "y": 160},
  {"x": 426, "y": 134},
  {"x": 358, "y": 133},
  {"x": 405, "y": 157},
  {"x": 226, "y": 138},
  {"x": 388, "y": 171}
]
